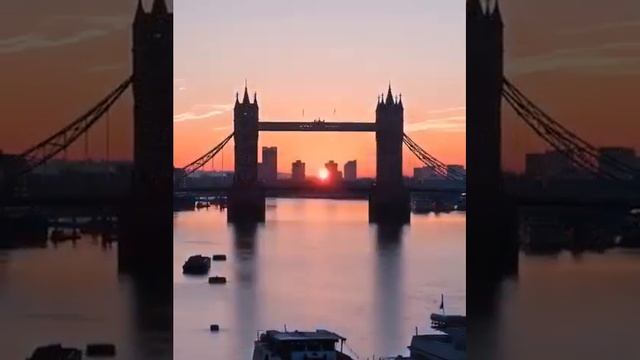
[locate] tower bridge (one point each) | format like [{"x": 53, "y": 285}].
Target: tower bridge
[
  {"x": 247, "y": 198},
  {"x": 388, "y": 197}
]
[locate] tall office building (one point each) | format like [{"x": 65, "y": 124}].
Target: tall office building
[
  {"x": 269, "y": 163},
  {"x": 298, "y": 170},
  {"x": 616, "y": 159},
  {"x": 334, "y": 174},
  {"x": 457, "y": 172},
  {"x": 425, "y": 173},
  {"x": 350, "y": 170},
  {"x": 551, "y": 165}
]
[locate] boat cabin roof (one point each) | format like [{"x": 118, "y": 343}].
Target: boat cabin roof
[{"x": 318, "y": 335}]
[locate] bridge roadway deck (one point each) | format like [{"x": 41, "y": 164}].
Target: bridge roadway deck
[
  {"x": 351, "y": 189},
  {"x": 316, "y": 126}
]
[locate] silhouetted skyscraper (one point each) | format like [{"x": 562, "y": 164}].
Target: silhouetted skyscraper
[
  {"x": 269, "y": 164},
  {"x": 350, "y": 170},
  {"x": 298, "y": 171},
  {"x": 332, "y": 168},
  {"x": 457, "y": 172},
  {"x": 621, "y": 155}
]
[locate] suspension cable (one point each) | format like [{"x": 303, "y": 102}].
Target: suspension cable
[
  {"x": 580, "y": 152},
  {"x": 204, "y": 159}
]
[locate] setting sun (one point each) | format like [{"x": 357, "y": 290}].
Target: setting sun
[{"x": 323, "y": 174}]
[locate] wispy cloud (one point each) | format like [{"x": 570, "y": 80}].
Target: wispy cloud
[
  {"x": 603, "y": 27},
  {"x": 448, "y": 110},
  {"x": 33, "y": 41},
  {"x": 203, "y": 111},
  {"x": 115, "y": 22},
  {"x": 607, "y": 58},
  {"x": 443, "y": 124},
  {"x": 98, "y": 26}
]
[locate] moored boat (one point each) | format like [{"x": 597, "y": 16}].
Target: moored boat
[
  {"x": 449, "y": 344},
  {"x": 299, "y": 345},
  {"x": 197, "y": 265},
  {"x": 55, "y": 351}
]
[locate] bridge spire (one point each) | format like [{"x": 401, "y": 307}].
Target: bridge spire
[
  {"x": 389, "y": 96},
  {"x": 400, "y": 101},
  {"x": 140, "y": 11},
  {"x": 245, "y": 98},
  {"x": 255, "y": 98},
  {"x": 496, "y": 14},
  {"x": 159, "y": 7},
  {"x": 237, "y": 100}
]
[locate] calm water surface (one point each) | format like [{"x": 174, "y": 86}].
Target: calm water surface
[
  {"x": 72, "y": 294},
  {"x": 568, "y": 307},
  {"x": 315, "y": 264}
]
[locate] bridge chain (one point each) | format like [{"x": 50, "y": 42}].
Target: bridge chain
[
  {"x": 432, "y": 162},
  {"x": 62, "y": 139},
  {"x": 580, "y": 152},
  {"x": 204, "y": 159}
]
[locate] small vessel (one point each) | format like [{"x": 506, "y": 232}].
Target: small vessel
[
  {"x": 197, "y": 265},
  {"x": 217, "y": 280},
  {"x": 58, "y": 235},
  {"x": 219, "y": 257},
  {"x": 299, "y": 345},
  {"x": 202, "y": 204},
  {"x": 55, "y": 351},
  {"x": 102, "y": 350},
  {"x": 423, "y": 205},
  {"x": 449, "y": 344}
]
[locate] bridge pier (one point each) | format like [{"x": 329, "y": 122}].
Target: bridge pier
[
  {"x": 389, "y": 207},
  {"x": 246, "y": 205}
]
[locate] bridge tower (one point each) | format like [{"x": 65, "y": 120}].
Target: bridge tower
[
  {"x": 147, "y": 222},
  {"x": 389, "y": 200},
  {"x": 247, "y": 198},
  {"x": 490, "y": 222}
]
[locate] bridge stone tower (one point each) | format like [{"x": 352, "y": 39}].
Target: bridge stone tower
[
  {"x": 491, "y": 217},
  {"x": 247, "y": 198},
  {"x": 389, "y": 200},
  {"x": 153, "y": 96},
  {"x": 147, "y": 221}
]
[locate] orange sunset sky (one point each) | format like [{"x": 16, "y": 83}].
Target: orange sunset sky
[{"x": 320, "y": 56}]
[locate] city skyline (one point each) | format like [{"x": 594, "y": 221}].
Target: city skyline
[
  {"x": 89, "y": 46},
  {"x": 582, "y": 70},
  {"x": 303, "y": 70}
]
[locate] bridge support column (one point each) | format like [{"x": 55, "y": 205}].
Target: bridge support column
[
  {"x": 389, "y": 199},
  {"x": 145, "y": 249},
  {"x": 246, "y": 205},
  {"x": 389, "y": 207},
  {"x": 246, "y": 198}
]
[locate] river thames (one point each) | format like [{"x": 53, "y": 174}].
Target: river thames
[
  {"x": 315, "y": 264},
  {"x": 72, "y": 293}
]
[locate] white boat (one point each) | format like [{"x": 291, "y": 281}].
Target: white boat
[
  {"x": 449, "y": 344},
  {"x": 299, "y": 345}
]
